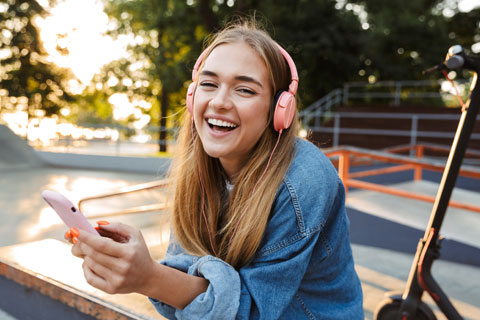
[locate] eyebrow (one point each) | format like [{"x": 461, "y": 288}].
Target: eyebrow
[{"x": 241, "y": 78}]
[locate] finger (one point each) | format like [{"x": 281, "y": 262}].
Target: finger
[
  {"x": 112, "y": 235},
  {"x": 100, "y": 270},
  {"x": 68, "y": 236},
  {"x": 100, "y": 224},
  {"x": 122, "y": 231},
  {"x": 109, "y": 262},
  {"x": 77, "y": 250},
  {"x": 93, "y": 279},
  {"x": 100, "y": 244},
  {"x": 74, "y": 232}
]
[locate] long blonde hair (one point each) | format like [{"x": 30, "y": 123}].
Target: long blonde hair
[{"x": 199, "y": 180}]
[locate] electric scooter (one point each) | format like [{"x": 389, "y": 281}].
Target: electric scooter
[{"x": 409, "y": 306}]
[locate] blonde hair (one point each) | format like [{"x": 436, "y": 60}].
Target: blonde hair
[{"x": 199, "y": 180}]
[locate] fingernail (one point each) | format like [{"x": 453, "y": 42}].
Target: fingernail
[
  {"x": 74, "y": 232},
  {"x": 74, "y": 239},
  {"x": 97, "y": 228},
  {"x": 103, "y": 223},
  {"x": 68, "y": 234}
]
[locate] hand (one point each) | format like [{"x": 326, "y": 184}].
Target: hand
[
  {"x": 72, "y": 234},
  {"x": 118, "y": 262}
]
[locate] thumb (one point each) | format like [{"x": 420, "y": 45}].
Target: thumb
[{"x": 118, "y": 232}]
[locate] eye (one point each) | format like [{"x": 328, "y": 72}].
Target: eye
[
  {"x": 247, "y": 91},
  {"x": 208, "y": 84}
]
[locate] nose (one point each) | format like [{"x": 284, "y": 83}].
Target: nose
[{"x": 221, "y": 99}]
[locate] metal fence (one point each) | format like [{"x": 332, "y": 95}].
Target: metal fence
[
  {"x": 413, "y": 133},
  {"x": 392, "y": 92},
  {"x": 312, "y": 119}
]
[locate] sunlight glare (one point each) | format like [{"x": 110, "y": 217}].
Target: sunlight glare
[
  {"x": 46, "y": 219},
  {"x": 468, "y": 5},
  {"x": 43, "y": 258},
  {"x": 80, "y": 27}
]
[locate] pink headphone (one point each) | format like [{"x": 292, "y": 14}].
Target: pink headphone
[{"x": 285, "y": 102}]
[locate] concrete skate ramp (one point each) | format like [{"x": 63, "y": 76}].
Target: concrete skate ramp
[
  {"x": 15, "y": 152},
  {"x": 459, "y": 225}
]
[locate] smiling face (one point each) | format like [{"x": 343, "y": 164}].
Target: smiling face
[{"x": 231, "y": 104}]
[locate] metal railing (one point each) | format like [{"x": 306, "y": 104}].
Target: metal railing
[
  {"x": 344, "y": 158},
  {"x": 121, "y": 140},
  {"x": 154, "y": 185},
  {"x": 413, "y": 133},
  {"x": 392, "y": 91}
]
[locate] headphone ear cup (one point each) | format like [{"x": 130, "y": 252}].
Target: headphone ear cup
[
  {"x": 284, "y": 110},
  {"x": 189, "y": 99}
]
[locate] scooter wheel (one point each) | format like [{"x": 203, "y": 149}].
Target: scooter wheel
[{"x": 389, "y": 309}]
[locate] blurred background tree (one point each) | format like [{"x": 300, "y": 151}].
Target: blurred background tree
[
  {"x": 173, "y": 33},
  {"x": 30, "y": 82},
  {"x": 331, "y": 41},
  {"x": 169, "y": 36},
  {"x": 464, "y": 28},
  {"x": 404, "y": 38}
]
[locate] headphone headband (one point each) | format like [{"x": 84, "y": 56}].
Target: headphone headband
[{"x": 292, "y": 88}]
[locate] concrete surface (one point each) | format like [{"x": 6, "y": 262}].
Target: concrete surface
[
  {"x": 382, "y": 271},
  {"x": 382, "y": 266},
  {"x": 460, "y": 225},
  {"x": 15, "y": 152}
]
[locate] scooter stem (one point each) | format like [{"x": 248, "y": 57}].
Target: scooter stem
[{"x": 428, "y": 248}]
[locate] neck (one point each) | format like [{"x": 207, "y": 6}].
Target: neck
[{"x": 231, "y": 167}]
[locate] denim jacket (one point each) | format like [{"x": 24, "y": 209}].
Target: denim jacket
[{"x": 304, "y": 268}]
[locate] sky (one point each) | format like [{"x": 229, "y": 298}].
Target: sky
[
  {"x": 82, "y": 25},
  {"x": 467, "y": 5}
]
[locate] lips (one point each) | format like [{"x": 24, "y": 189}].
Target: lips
[{"x": 221, "y": 125}]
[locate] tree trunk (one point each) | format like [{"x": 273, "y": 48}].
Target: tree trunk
[
  {"x": 242, "y": 6},
  {"x": 208, "y": 16},
  {"x": 162, "y": 132}
]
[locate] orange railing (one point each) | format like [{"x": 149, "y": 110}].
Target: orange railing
[
  {"x": 344, "y": 158},
  {"x": 160, "y": 205}
]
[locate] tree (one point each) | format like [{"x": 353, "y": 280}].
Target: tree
[
  {"x": 325, "y": 42},
  {"x": 404, "y": 38},
  {"x": 32, "y": 83},
  {"x": 464, "y": 28},
  {"x": 171, "y": 38}
]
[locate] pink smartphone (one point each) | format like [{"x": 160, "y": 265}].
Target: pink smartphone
[{"x": 70, "y": 215}]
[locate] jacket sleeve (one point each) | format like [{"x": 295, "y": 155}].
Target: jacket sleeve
[
  {"x": 266, "y": 284},
  {"x": 221, "y": 299}
]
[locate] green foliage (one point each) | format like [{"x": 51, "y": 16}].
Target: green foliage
[
  {"x": 464, "y": 28},
  {"x": 326, "y": 43},
  {"x": 171, "y": 40},
  {"x": 331, "y": 41},
  {"x": 326, "y": 49},
  {"x": 92, "y": 108},
  {"x": 404, "y": 38},
  {"x": 33, "y": 82}
]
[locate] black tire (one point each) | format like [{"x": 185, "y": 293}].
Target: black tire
[{"x": 389, "y": 309}]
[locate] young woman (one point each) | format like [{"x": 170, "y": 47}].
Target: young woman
[{"x": 259, "y": 229}]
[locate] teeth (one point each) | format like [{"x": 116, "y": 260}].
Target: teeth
[{"x": 221, "y": 123}]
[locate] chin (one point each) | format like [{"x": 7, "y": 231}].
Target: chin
[{"x": 215, "y": 154}]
